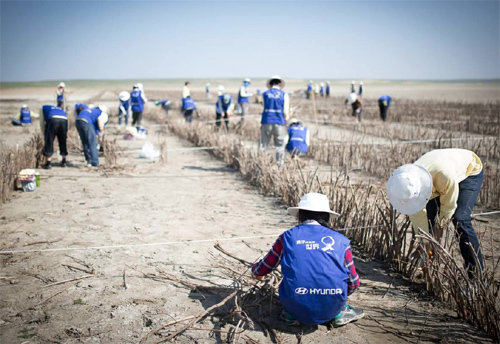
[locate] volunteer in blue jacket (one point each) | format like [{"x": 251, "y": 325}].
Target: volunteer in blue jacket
[
  {"x": 54, "y": 123},
  {"x": 124, "y": 107},
  {"x": 243, "y": 95},
  {"x": 274, "y": 117},
  {"x": 189, "y": 107},
  {"x": 327, "y": 89},
  {"x": 383, "y": 105},
  {"x": 60, "y": 94},
  {"x": 309, "y": 89},
  {"x": 137, "y": 101},
  {"x": 165, "y": 104},
  {"x": 24, "y": 117},
  {"x": 317, "y": 267},
  {"x": 298, "y": 138},
  {"x": 79, "y": 107},
  {"x": 223, "y": 107},
  {"x": 89, "y": 123}
]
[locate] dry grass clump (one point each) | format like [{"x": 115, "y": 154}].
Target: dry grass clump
[
  {"x": 14, "y": 159},
  {"x": 111, "y": 149},
  {"x": 373, "y": 224}
]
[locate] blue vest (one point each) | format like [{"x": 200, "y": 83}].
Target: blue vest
[
  {"x": 25, "y": 116},
  {"x": 309, "y": 88},
  {"x": 136, "y": 101},
  {"x": 223, "y": 103},
  {"x": 242, "y": 99},
  {"x": 90, "y": 115},
  {"x": 125, "y": 104},
  {"x": 274, "y": 100},
  {"x": 314, "y": 285},
  {"x": 163, "y": 102},
  {"x": 297, "y": 139},
  {"x": 327, "y": 89},
  {"x": 60, "y": 97},
  {"x": 50, "y": 111},
  {"x": 321, "y": 90},
  {"x": 386, "y": 99},
  {"x": 80, "y": 107},
  {"x": 188, "y": 104}
]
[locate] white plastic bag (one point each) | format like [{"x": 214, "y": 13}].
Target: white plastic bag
[{"x": 148, "y": 151}]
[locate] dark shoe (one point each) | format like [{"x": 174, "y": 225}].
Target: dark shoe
[
  {"x": 348, "y": 314},
  {"x": 47, "y": 165},
  {"x": 288, "y": 318},
  {"x": 64, "y": 163}
]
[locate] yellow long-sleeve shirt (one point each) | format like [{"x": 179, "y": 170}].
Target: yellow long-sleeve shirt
[{"x": 448, "y": 167}]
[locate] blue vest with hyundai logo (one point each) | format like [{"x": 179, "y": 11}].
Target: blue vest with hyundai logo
[
  {"x": 25, "y": 116},
  {"x": 136, "y": 101},
  {"x": 314, "y": 285},
  {"x": 297, "y": 139},
  {"x": 242, "y": 99},
  {"x": 90, "y": 115},
  {"x": 50, "y": 111},
  {"x": 274, "y": 101}
]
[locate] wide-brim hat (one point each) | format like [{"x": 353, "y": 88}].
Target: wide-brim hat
[
  {"x": 276, "y": 77},
  {"x": 294, "y": 120},
  {"x": 247, "y": 80},
  {"x": 409, "y": 188},
  {"x": 124, "y": 96},
  {"x": 313, "y": 202}
]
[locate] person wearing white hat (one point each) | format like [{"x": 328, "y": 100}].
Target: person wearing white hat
[
  {"x": 322, "y": 89},
  {"x": 90, "y": 123},
  {"x": 443, "y": 183},
  {"x": 223, "y": 107},
  {"x": 24, "y": 117},
  {"x": 298, "y": 138},
  {"x": 317, "y": 267},
  {"x": 243, "y": 95},
  {"x": 274, "y": 117},
  {"x": 137, "y": 101},
  {"x": 123, "y": 107},
  {"x": 60, "y": 95},
  {"x": 356, "y": 100}
]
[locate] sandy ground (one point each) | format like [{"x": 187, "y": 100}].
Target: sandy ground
[{"x": 152, "y": 217}]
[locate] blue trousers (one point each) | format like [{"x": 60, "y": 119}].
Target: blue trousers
[
  {"x": 89, "y": 142},
  {"x": 467, "y": 196}
]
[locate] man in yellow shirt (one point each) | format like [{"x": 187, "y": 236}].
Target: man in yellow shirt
[{"x": 443, "y": 183}]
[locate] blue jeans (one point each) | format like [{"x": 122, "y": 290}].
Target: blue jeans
[
  {"x": 467, "y": 195},
  {"x": 89, "y": 142},
  {"x": 120, "y": 114}
]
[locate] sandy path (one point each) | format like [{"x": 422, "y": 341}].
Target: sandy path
[{"x": 155, "y": 209}]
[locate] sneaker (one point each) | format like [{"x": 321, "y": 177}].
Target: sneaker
[
  {"x": 348, "y": 314},
  {"x": 47, "y": 165},
  {"x": 288, "y": 318}
]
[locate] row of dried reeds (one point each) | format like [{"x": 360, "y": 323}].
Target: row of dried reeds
[
  {"x": 14, "y": 159},
  {"x": 365, "y": 209}
]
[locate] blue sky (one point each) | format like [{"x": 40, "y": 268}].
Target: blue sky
[{"x": 52, "y": 40}]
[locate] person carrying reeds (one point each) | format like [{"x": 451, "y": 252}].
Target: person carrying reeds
[
  {"x": 90, "y": 123},
  {"x": 356, "y": 100},
  {"x": 274, "y": 117},
  {"x": 223, "y": 107},
  {"x": 442, "y": 184},
  {"x": 298, "y": 138},
  {"x": 243, "y": 96},
  {"x": 54, "y": 123},
  {"x": 317, "y": 267}
]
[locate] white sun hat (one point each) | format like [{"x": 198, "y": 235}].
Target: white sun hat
[
  {"x": 221, "y": 88},
  {"x": 124, "y": 96},
  {"x": 24, "y": 106},
  {"x": 409, "y": 188},
  {"x": 313, "y": 202},
  {"x": 294, "y": 120},
  {"x": 247, "y": 80},
  {"x": 140, "y": 86},
  {"x": 275, "y": 77},
  {"x": 62, "y": 84},
  {"x": 103, "y": 108}
]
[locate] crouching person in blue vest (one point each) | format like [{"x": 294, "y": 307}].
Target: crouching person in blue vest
[
  {"x": 223, "y": 107},
  {"x": 189, "y": 107},
  {"x": 123, "y": 107},
  {"x": 298, "y": 138},
  {"x": 383, "y": 104},
  {"x": 24, "y": 117},
  {"x": 89, "y": 123},
  {"x": 54, "y": 123},
  {"x": 274, "y": 117},
  {"x": 165, "y": 104},
  {"x": 317, "y": 267},
  {"x": 79, "y": 107}
]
